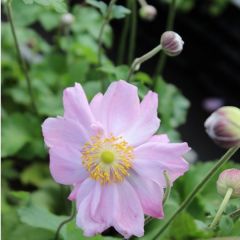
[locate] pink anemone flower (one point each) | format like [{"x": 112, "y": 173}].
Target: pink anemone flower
[{"x": 108, "y": 152}]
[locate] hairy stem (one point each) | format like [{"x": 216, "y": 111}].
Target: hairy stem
[
  {"x": 123, "y": 37},
  {"x": 105, "y": 22},
  {"x": 133, "y": 32},
  {"x": 197, "y": 189},
  {"x": 21, "y": 60},
  {"x": 221, "y": 208},
  {"x": 69, "y": 219},
  {"x": 138, "y": 61},
  {"x": 169, "y": 26}
]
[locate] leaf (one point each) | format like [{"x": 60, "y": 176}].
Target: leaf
[
  {"x": 225, "y": 225},
  {"x": 172, "y": 106},
  {"x": 102, "y": 6},
  {"x": 119, "y": 12},
  {"x": 41, "y": 218},
  {"x": 14, "y": 134},
  {"x": 36, "y": 174}
]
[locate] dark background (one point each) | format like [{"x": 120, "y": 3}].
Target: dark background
[{"x": 208, "y": 67}]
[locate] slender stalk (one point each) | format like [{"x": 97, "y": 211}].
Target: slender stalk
[
  {"x": 138, "y": 61},
  {"x": 105, "y": 22},
  {"x": 197, "y": 189},
  {"x": 20, "y": 58},
  {"x": 69, "y": 219},
  {"x": 221, "y": 208},
  {"x": 143, "y": 3},
  {"x": 123, "y": 37},
  {"x": 235, "y": 214},
  {"x": 169, "y": 26},
  {"x": 133, "y": 32},
  {"x": 168, "y": 187}
]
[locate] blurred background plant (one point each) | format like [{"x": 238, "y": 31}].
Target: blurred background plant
[{"x": 59, "y": 42}]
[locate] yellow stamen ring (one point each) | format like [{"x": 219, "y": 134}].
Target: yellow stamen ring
[{"x": 107, "y": 159}]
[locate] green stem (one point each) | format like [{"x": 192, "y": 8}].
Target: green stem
[
  {"x": 105, "y": 22},
  {"x": 169, "y": 26},
  {"x": 221, "y": 208},
  {"x": 197, "y": 189},
  {"x": 138, "y": 61},
  {"x": 123, "y": 37},
  {"x": 168, "y": 187},
  {"x": 133, "y": 32},
  {"x": 165, "y": 197},
  {"x": 235, "y": 214},
  {"x": 21, "y": 60},
  {"x": 69, "y": 219}
]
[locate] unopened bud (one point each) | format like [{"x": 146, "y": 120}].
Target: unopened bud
[
  {"x": 67, "y": 19},
  {"x": 148, "y": 12},
  {"x": 223, "y": 126},
  {"x": 229, "y": 178},
  {"x": 172, "y": 43}
]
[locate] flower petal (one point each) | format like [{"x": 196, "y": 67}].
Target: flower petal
[
  {"x": 120, "y": 107},
  {"x": 66, "y": 165},
  {"x": 103, "y": 206},
  {"x": 61, "y": 132},
  {"x": 129, "y": 217},
  {"x": 147, "y": 122},
  {"x": 95, "y": 105},
  {"x": 162, "y": 138},
  {"x": 88, "y": 200},
  {"x": 152, "y": 158},
  {"x": 149, "y": 193},
  {"x": 76, "y": 105}
]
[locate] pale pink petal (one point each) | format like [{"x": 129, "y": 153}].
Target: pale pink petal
[
  {"x": 95, "y": 105},
  {"x": 147, "y": 122},
  {"x": 115, "y": 204},
  {"x": 76, "y": 105},
  {"x": 88, "y": 199},
  {"x": 128, "y": 216},
  {"x": 162, "y": 138},
  {"x": 66, "y": 165},
  {"x": 152, "y": 158},
  {"x": 149, "y": 193},
  {"x": 120, "y": 107},
  {"x": 61, "y": 132}
]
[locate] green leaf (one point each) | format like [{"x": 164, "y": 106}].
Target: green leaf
[
  {"x": 36, "y": 174},
  {"x": 119, "y": 12},
  {"x": 14, "y": 134},
  {"x": 225, "y": 225},
  {"x": 41, "y": 218},
  {"x": 172, "y": 106},
  {"x": 102, "y": 6}
]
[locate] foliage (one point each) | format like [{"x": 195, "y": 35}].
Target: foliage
[{"x": 32, "y": 204}]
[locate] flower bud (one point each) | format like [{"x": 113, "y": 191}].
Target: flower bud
[
  {"x": 67, "y": 19},
  {"x": 148, "y": 12},
  {"x": 172, "y": 43},
  {"x": 229, "y": 178},
  {"x": 223, "y": 126}
]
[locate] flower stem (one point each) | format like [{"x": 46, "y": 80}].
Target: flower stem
[
  {"x": 198, "y": 188},
  {"x": 235, "y": 214},
  {"x": 105, "y": 22},
  {"x": 168, "y": 187},
  {"x": 138, "y": 61},
  {"x": 69, "y": 219},
  {"x": 221, "y": 208},
  {"x": 122, "y": 45},
  {"x": 133, "y": 32},
  {"x": 21, "y": 60},
  {"x": 165, "y": 197},
  {"x": 169, "y": 26}
]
